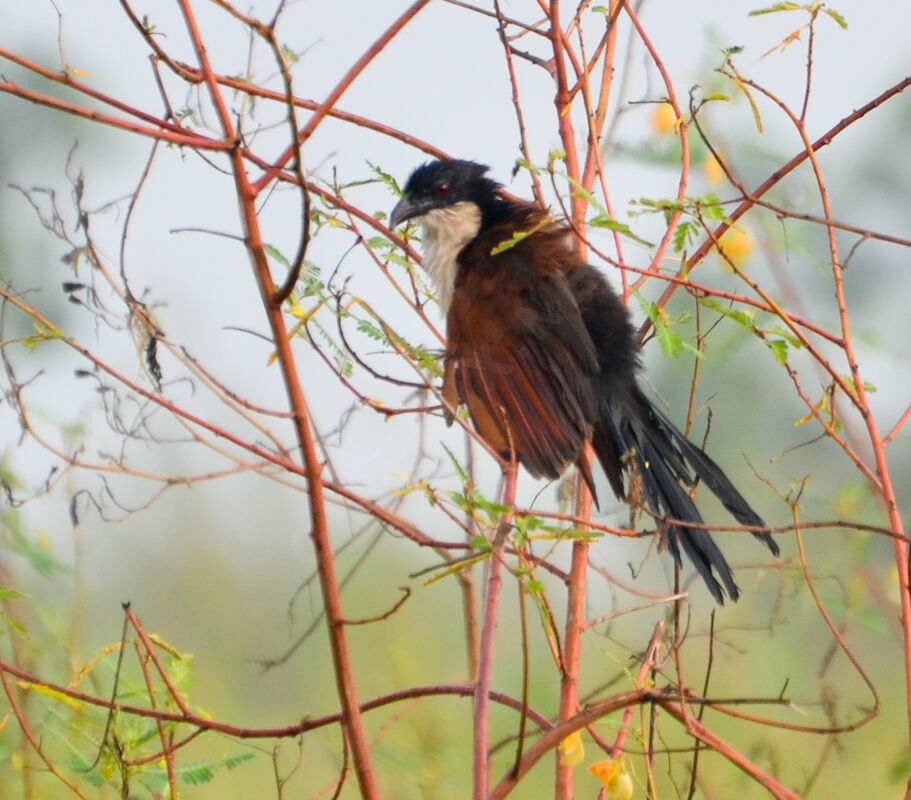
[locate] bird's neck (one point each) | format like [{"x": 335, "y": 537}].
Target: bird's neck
[{"x": 445, "y": 232}]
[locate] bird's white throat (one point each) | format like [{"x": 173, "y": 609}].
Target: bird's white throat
[{"x": 445, "y": 232}]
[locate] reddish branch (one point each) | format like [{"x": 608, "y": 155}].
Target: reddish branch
[
  {"x": 773, "y": 180},
  {"x": 356, "y": 69},
  {"x": 491, "y": 612},
  {"x": 247, "y": 193},
  {"x": 203, "y": 722},
  {"x": 681, "y": 129}
]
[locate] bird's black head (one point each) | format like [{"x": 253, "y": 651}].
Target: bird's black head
[{"x": 441, "y": 184}]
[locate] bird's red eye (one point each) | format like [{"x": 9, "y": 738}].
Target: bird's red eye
[{"x": 442, "y": 188}]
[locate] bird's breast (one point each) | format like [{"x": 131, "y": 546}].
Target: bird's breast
[{"x": 446, "y": 231}]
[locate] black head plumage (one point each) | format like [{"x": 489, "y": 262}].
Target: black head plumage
[{"x": 439, "y": 184}]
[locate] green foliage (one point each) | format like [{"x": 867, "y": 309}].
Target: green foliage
[
  {"x": 309, "y": 283},
  {"x": 43, "y": 333},
  {"x": 366, "y": 327},
  {"x": 603, "y": 219},
  {"x": 849, "y": 381},
  {"x": 606, "y": 221},
  {"x": 8, "y": 622},
  {"x": 811, "y": 8},
  {"x": 204, "y": 771},
  {"x": 34, "y": 549},
  {"x": 473, "y": 502},
  {"x": 685, "y": 235},
  {"x": 671, "y": 342},
  {"x": 422, "y": 357},
  {"x": 530, "y": 526},
  {"x": 777, "y": 338},
  {"x": 386, "y": 178},
  {"x": 516, "y": 237},
  {"x": 694, "y": 211},
  {"x": 776, "y": 8},
  {"x": 779, "y": 349},
  {"x": 522, "y": 163},
  {"x": 463, "y": 474},
  {"x": 340, "y": 355},
  {"x": 73, "y": 730},
  {"x": 288, "y": 54}
]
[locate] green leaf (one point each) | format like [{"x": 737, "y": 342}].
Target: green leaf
[
  {"x": 684, "y": 235},
  {"x": 898, "y": 769},
  {"x": 776, "y": 8},
  {"x": 524, "y": 163},
  {"x": 386, "y": 178},
  {"x": 463, "y": 475},
  {"x": 710, "y": 204},
  {"x": 740, "y": 316},
  {"x": 425, "y": 359},
  {"x": 784, "y": 333},
  {"x": 842, "y": 22},
  {"x": 606, "y": 221},
  {"x": 579, "y": 191},
  {"x": 517, "y": 237},
  {"x": 529, "y": 523},
  {"x": 524, "y": 525},
  {"x": 343, "y": 361},
  {"x": 871, "y": 620},
  {"x": 200, "y": 772},
  {"x": 235, "y": 761},
  {"x": 868, "y": 387},
  {"x": 779, "y": 348},
  {"x": 277, "y": 255},
  {"x": 78, "y": 764},
  {"x": 671, "y": 342},
  {"x": 288, "y": 54},
  {"x": 495, "y": 510},
  {"x": 40, "y": 558},
  {"x": 369, "y": 329}
]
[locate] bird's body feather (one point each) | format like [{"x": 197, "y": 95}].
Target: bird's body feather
[
  {"x": 521, "y": 358},
  {"x": 542, "y": 352}
]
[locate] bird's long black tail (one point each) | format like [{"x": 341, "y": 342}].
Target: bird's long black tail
[{"x": 667, "y": 464}]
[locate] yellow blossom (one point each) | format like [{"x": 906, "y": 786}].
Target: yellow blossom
[{"x": 618, "y": 785}]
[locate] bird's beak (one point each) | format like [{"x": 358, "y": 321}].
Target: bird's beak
[{"x": 405, "y": 209}]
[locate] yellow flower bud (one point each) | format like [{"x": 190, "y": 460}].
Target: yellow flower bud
[
  {"x": 572, "y": 751},
  {"x": 664, "y": 120}
]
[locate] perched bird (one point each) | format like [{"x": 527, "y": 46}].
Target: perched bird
[{"x": 543, "y": 353}]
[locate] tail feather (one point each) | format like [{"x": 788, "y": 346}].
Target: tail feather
[
  {"x": 667, "y": 465},
  {"x": 714, "y": 478}
]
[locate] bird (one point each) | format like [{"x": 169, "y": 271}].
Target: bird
[{"x": 543, "y": 353}]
